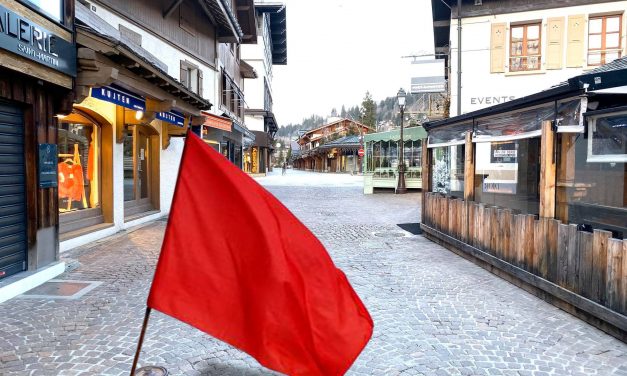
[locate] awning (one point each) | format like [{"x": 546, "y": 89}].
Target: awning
[
  {"x": 247, "y": 70},
  {"x": 409, "y": 134},
  {"x": 261, "y": 139},
  {"x": 218, "y": 122}
]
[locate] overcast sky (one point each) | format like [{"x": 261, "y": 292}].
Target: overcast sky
[{"x": 338, "y": 49}]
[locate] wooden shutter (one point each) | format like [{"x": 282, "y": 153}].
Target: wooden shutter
[
  {"x": 574, "y": 50},
  {"x": 555, "y": 45},
  {"x": 497, "y": 48},
  {"x": 184, "y": 76},
  {"x": 200, "y": 82}
]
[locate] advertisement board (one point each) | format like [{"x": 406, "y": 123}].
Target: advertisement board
[{"x": 427, "y": 76}]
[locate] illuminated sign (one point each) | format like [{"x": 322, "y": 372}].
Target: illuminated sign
[{"x": 119, "y": 97}]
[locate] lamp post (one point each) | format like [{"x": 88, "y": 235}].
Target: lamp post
[{"x": 400, "y": 189}]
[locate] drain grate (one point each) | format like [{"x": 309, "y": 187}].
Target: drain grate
[
  {"x": 390, "y": 234},
  {"x": 61, "y": 289}
]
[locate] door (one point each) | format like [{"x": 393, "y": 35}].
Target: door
[
  {"x": 13, "y": 241},
  {"x": 137, "y": 171}
]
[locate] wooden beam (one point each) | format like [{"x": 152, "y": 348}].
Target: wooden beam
[
  {"x": 469, "y": 169},
  {"x": 153, "y": 105},
  {"x": 547, "y": 171},
  {"x": 425, "y": 175},
  {"x": 168, "y": 11}
]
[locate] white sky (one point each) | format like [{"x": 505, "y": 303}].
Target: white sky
[{"x": 338, "y": 49}]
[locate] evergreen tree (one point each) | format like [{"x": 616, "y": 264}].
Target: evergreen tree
[
  {"x": 343, "y": 113},
  {"x": 369, "y": 111},
  {"x": 334, "y": 112}
]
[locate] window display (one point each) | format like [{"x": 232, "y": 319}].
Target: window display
[
  {"x": 607, "y": 138},
  {"x": 78, "y": 171},
  {"x": 507, "y": 174},
  {"x": 448, "y": 170}
]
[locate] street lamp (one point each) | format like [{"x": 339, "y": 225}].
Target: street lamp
[{"x": 400, "y": 189}]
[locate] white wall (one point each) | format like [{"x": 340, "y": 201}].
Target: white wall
[
  {"x": 165, "y": 52},
  {"x": 480, "y": 88}
]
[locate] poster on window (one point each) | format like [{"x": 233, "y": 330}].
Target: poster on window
[{"x": 503, "y": 152}]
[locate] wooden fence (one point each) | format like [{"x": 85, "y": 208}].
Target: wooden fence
[{"x": 592, "y": 265}]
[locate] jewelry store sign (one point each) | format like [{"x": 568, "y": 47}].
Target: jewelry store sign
[{"x": 25, "y": 38}]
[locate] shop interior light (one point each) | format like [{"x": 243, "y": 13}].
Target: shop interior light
[{"x": 139, "y": 115}]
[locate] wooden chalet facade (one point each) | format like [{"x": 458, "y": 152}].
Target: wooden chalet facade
[{"x": 329, "y": 148}]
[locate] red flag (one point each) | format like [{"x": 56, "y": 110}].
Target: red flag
[{"x": 236, "y": 264}]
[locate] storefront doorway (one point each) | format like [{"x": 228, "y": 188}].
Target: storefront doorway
[
  {"x": 13, "y": 240},
  {"x": 140, "y": 170}
]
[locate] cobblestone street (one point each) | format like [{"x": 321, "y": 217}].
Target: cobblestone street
[{"x": 434, "y": 312}]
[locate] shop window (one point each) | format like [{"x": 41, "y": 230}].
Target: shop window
[
  {"x": 525, "y": 47},
  {"x": 507, "y": 174},
  {"x": 413, "y": 159},
  {"x": 604, "y": 39},
  {"x": 78, "y": 169},
  {"x": 51, "y": 8},
  {"x": 592, "y": 175},
  {"x": 447, "y": 170}
]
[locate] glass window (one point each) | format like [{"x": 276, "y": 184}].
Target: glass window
[
  {"x": 521, "y": 124},
  {"x": 607, "y": 138},
  {"x": 52, "y": 8},
  {"x": 413, "y": 159},
  {"x": 604, "y": 41},
  {"x": 592, "y": 193},
  {"x": 525, "y": 47},
  {"x": 136, "y": 161},
  {"x": 447, "y": 168},
  {"x": 78, "y": 167},
  {"x": 507, "y": 174}
]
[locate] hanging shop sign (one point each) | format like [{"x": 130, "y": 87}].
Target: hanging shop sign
[
  {"x": 47, "y": 166},
  {"x": 172, "y": 117},
  {"x": 23, "y": 37},
  {"x": 119, "y": 97}
]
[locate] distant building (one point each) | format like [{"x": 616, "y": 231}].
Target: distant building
[
  {"x": 511, "y": 49},
  {"x": 331, "y": 147},
  {"x": 270, "y": 49}
]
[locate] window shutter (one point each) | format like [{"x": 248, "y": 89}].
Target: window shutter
[
  {"x": 574, "y": 51},
  {"x": 184, "y": 74},
  {"x": 497, "y": 48},
  {"x": 200, "y": 92},
  {"x": 555, "y": 48}
]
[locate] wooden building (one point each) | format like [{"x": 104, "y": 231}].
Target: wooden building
[
  {"x": 314, "y": 156},
  {"x": 37, "y": 71},
  {"x": 535, "y": 190}
]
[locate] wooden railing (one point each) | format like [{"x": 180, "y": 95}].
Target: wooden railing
[{"x": 592, "y": 265}]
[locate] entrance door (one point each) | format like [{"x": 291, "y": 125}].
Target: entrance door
[
  {"x": 137, "y": 171},
  {"x": 13, "y": 244}
]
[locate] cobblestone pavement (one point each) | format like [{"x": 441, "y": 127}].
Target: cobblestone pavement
[{"x": 434, "y": 312}]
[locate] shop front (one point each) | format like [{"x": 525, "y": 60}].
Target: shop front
[
  {"x": 224, "y": 136},
  {"x": 382, "y": 158},
  {"x": 120, "y": 147},
  {"x": 258, "y": 154},
  {"x": 535, "y": 190},
  {"x": 37, "y": 68}
]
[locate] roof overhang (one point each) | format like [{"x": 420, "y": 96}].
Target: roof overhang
[
  {"x": 247, "y": 70},
  {"x": 220, "y": 13},
  {"x": 269, "y": 120},
  {"x": 278, "y": 29},
  {"x": 247, "y": 19},
  {"x": 105, "y": 50}
]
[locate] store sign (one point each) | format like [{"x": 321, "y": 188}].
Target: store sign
[
  {"x": 172, "y": 117},
  {"x": 119, "y": 97},
  {"x": 500, "y": 187},
  {"x": 47, "y": 166},
  {"x": 427, "y": 76},
  {"x": 25, "y": 38},
  {"x": 255, "y": 157}
]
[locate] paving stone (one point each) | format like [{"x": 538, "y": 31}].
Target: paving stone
[{"x": 434, "y": 312}]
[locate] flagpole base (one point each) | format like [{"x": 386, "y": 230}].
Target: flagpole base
[{"x": 152, "y": 371}]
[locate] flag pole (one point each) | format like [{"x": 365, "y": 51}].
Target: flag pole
[{"x": 141, "y": 341}]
